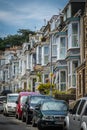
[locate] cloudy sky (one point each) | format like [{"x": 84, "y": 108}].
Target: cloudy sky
[{"x": 26, "y": 14}]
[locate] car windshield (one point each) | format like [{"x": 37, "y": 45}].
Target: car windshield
[
  {"x": 23, "y": 99},
  {"x": 52, "y": 105},
  {"x": 36, "y": 99},
  {"x": 12, "y": 98}
]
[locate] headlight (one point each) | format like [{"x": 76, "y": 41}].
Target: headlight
[{"x": 49, "y": 118}]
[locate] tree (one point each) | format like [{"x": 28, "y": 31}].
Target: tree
[{"x": 16, "y": 40}]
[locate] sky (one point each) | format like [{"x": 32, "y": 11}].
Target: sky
[{"x": 27, "y": 14}]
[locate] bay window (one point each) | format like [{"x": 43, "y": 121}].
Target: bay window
[
  {"x": 62, "y": 80},
  {"x": 73, "y": 35},
  {"x": 72, "y": 65},
  {"x": 61, "y": 48},
  {"x": 46, "y": 54}
]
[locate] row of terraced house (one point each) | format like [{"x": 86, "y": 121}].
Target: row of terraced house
[{"x": 58, "y": 48}]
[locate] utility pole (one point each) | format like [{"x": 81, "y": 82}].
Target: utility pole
[{"x": 51, "y": 65}]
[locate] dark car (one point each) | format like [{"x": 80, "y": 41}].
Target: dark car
[
  {"x": 28, "y": 107},
  {"x": 2, "y": 99},
  {"x": 50, "y": 113},
  {"x": 5, "y": 92}
]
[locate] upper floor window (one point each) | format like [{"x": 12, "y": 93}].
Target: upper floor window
[
  {"x": 54, "y": 45},
  {"x": 39, "y": 55},
  {"x": 62, "y": 48},
  {"x": 53, "y": 25},
  {"x": 73, "y": 35},
  {"x": 46, "y": 54},
  {"x": 67, "y": 13}
]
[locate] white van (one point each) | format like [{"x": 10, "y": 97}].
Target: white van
[{"x": 9, "y": 105}]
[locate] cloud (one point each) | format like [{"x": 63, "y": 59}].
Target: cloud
[
  {"x": 30, "y": 11},
  {"x": 17, "y": 14}
]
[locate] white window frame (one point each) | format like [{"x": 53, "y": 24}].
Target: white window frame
[
  {"x": 59, "y": 48},
  {"x": 60, "y": 79},
  {"x": 45, "y": 55},
  {"x": 70, "y": 74},
  {"x": 70, "y": 35}
]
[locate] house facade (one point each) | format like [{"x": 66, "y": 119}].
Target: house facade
[{"x": 58, "y": 48}]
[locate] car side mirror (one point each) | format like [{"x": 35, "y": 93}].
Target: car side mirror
[{"x": 16, "y": 102}]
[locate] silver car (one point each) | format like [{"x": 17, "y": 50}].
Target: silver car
[{"x": 77, "y": 117}]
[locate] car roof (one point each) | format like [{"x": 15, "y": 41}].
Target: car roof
[
  {"x": 28, "y": 93},
  {"x": 40, "y": 95},
  {"x": 12, "y": 94},
  {"x": 85, "y": 98}
]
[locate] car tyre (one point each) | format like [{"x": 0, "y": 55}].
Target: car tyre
[
  {"x": 39, "y": 126},
  {"x": 16, "y": 116},
  {"x": 27, "y": 120},
  {"x": 23, "y": 118},
  {"x": 19, "y": 117},
  {"x": 33, "y": 123}
]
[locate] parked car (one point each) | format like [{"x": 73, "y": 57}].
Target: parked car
[
  {"x": 2, "y": 99},
  {"x": 9, "y": 105},
  {"x": 77, "y": 116},
  {"x": 50, "y": 114},
  {"x": 20, "y": 102},
  {"x": 29, "y": 106},
  {"x": 5, "y": 92}
]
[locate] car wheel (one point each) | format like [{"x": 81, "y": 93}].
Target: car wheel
[
  {"x": 33, "y": 123},
  {"x": 27, "y": 119},
  {"x": 39, "y": 126},
  {"x": 23, "y": 118},
  {"x": 16, "y": 116},
  {"x": 19, "y": 117}
]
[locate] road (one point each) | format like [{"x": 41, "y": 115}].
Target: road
[{"x": 11, "y": 123}]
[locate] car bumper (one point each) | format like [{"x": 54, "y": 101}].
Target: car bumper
[{"x": 51, "y": 123}]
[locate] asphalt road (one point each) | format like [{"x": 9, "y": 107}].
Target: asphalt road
[{"x": 11, "y": 123}]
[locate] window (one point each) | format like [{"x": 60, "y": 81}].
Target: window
[
  {"x": 39, "y": 54},
  {"x": 46, "y": 54},
  {"x": 72, "y": 65},
  {"x": 85, "y": 111},
  {"x": 80, "y": 107},
  {"x": 80, "y": 83},
  {"x": 73, "y": 35},
  {"x": 54, "y": 50},
  {"x": 61, "y": 47},
  {"x": 75, "y": 107},
  {"x": 62, "y": 50},
  {"x": 54, "y": 45},
  {"x": 63, "y": 80}
]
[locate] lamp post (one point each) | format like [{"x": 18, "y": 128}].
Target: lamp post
[{"x": 51, "y": 65}]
